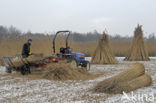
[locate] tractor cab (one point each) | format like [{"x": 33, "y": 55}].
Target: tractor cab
[
  {"x": 65, "y": 50},
  {"x": 65, "y": 53}
]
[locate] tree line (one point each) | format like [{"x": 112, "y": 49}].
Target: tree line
[{"x": 12, "y": 33}]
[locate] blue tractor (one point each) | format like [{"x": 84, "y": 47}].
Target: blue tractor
[{"x": 74, "y": 58}]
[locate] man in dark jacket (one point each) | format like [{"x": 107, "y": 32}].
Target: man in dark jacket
[{"x": 26, "y": 49}]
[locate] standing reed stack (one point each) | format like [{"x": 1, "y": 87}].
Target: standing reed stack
[
  {"x": 138, "y": 50},
  {"x": 103, "y": 53}
]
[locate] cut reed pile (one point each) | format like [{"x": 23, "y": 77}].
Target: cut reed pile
[
  {"x": 142, "y": 81},
  {"x": 66, "y": 72},
  {"x": 59, "y": 72},
  {"x": 103, "y": 53},
  {"x": 19, "y": 62},
  {"x": 138, "y": 50},
  {"x": 132, "y": 78}
]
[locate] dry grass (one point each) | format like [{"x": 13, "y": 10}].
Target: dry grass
[
  {"x": 119, "y": 48},
  {"x": 151, "y": 47}
]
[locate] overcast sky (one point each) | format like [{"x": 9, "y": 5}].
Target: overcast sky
[{"x": 117, "y": 16}]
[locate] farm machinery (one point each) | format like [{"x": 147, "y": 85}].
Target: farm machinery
[
  {"x": 24, "y": 65},
  {"x": 74, "y": 58}
]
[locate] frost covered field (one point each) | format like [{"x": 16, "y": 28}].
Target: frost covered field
[{"x": 23, "y": 90}]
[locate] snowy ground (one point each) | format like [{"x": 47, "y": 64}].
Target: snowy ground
[{"x": 22, "y": 90}]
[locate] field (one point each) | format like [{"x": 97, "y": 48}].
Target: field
[
  {"x": 17, "y": 90},
  {"x": 77, "y": 51},
  {"x": 120, "y": 48}
]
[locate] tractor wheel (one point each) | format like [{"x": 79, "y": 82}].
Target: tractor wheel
[
  {"x": 23, "y": 70},
  {"x": 88, "y": 66},
  {"x": 73, "y": 64},
  {"x": 8, "y": 70}
]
